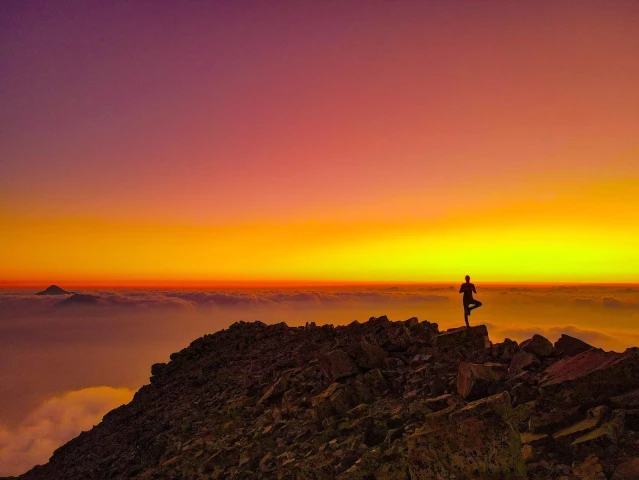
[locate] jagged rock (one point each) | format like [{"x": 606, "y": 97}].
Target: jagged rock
[
  {"x": 475, "y": 338},
  {"x": 570, "y": 346},
  {"x": 276, "y": 390},
  {"x": 419, "y": 360},
  {"x": 626, "y": 400},
  {"x": 477, "y": 441},
  {"x": 374, "y": 380},
  {"x": 521, "y": 390},
  {"x": 599, "y": 439},
  {"x": 158, "y": 368},
  {"x": 535, "y": 439},
  {"x": 537, "y": 345},
  {"x": 567, "y": 435},
  {"x": 589, "y": 469},
  {"x": 632, "y": 418},
  {"x": 322, "y": 401},
  {"x": 476, "y": 381},
  {"x": 628, "y": 470},
  {"x": 527, "y": 453},
  {"x": 369, "y": 356},
  {"x": 522, "y": 412},
  {"x": 365, "y": 401},
  {"x": 522, "y": 360},
  {"x": 548, "y": 422},
  {"x": 424, "y": 330},
  {"x": 505, "y": 350},
  {"x": 593, "y": 374},
  {"x": 268, "y": 463},
  {"x": 337, "y": 364},
  {"x": 438, "y": 403}
]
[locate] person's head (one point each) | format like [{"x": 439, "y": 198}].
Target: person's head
[{"x": 467, "y": 278}]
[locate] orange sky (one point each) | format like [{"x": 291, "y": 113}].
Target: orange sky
[{"x": 319, "y": 142}]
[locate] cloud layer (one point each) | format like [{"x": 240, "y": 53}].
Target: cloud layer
[
  {"x": 55, "y": 422},
  {"x": 46, "y": 350}
]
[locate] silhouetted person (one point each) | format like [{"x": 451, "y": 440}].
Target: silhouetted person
[{"x": 469, "y": 302}]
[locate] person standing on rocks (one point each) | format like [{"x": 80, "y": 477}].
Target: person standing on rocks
[{"x": 469, "y": 302}]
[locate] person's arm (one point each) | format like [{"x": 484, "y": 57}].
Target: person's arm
[
  {"x": 461, "y": 289},
  {"x": 474, "y": 289}
]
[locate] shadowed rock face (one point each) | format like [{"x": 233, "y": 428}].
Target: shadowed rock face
[
  {"x": 377, "y": 400},
  {"x": 570, "y": 346},
  {"x": 53, "y": 290},
  {"x": 476, "y": 441}
]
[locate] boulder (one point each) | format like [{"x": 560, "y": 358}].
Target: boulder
[
  {"x": 535, "y": 439},
  {"x": 337, "y": 364},
  {"x": 424, "y": 330},
  {"x": 628, "y": 470},
  {"x": 522, "y": 360},
  {"x": 476, "y": 442},
  {"x": 411, "y": 322},
  {"x": 527, "y": 453},
  {"x": 369, "y": 356},
  {"x": 505, "y": 350},
  {"x": 570, "y": 346},
  {"x": 601, "y": 439},
  {"x": 475, "y": 381},
  {"x": 475, "y": 338},
  {"x": 537, "y": 345},
  {"x": 632, "y": 418},
  {"x": 551, "y": 421},
  {"x": 567, "y": 435},
  {"x": 589, "y": 469},
  {"x": 268, "y": 463},
  {"x": 323, "y": 404},
  {"x": 157, "y": 370},
  {"x": 276, "y": 390},
  {"x": 593, "y": 374},
  {"x": 626, "y": 400},
  {"x": 419, "y": 360},
  {"x": 438, "y": 403},
  {"x": 374, "y": 380}
]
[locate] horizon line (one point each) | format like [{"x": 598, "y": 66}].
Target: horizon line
[{"x": 293, "y": 284}]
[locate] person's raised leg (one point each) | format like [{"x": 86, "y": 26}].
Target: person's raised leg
[{"x": 475, "y": 304}]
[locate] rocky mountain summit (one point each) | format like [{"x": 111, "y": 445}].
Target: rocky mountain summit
[{"x": 374, "y": 400}]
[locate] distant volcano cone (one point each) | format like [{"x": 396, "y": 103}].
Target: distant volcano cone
[
  {"x": 80, "y": 299},
  {"x": 54, "y": 290}
]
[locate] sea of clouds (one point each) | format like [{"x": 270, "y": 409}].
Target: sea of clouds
[{"x": 64, "y": 367}]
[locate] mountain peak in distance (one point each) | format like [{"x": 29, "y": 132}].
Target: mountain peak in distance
[{"x": 54, "y": 290}]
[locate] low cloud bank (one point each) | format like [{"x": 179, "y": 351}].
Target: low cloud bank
[
  {"x": 115, "y": 342},
  {"x": 21, "y": 303},
  {"x": 55, "y": 422}
]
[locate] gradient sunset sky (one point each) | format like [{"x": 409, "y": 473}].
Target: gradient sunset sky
[{"x": 175, "y": 142}]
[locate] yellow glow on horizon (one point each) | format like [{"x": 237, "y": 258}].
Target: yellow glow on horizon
[{"x": 586, "y": 235}]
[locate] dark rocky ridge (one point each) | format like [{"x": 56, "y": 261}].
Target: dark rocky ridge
[{"x": 378, "y": 400}]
